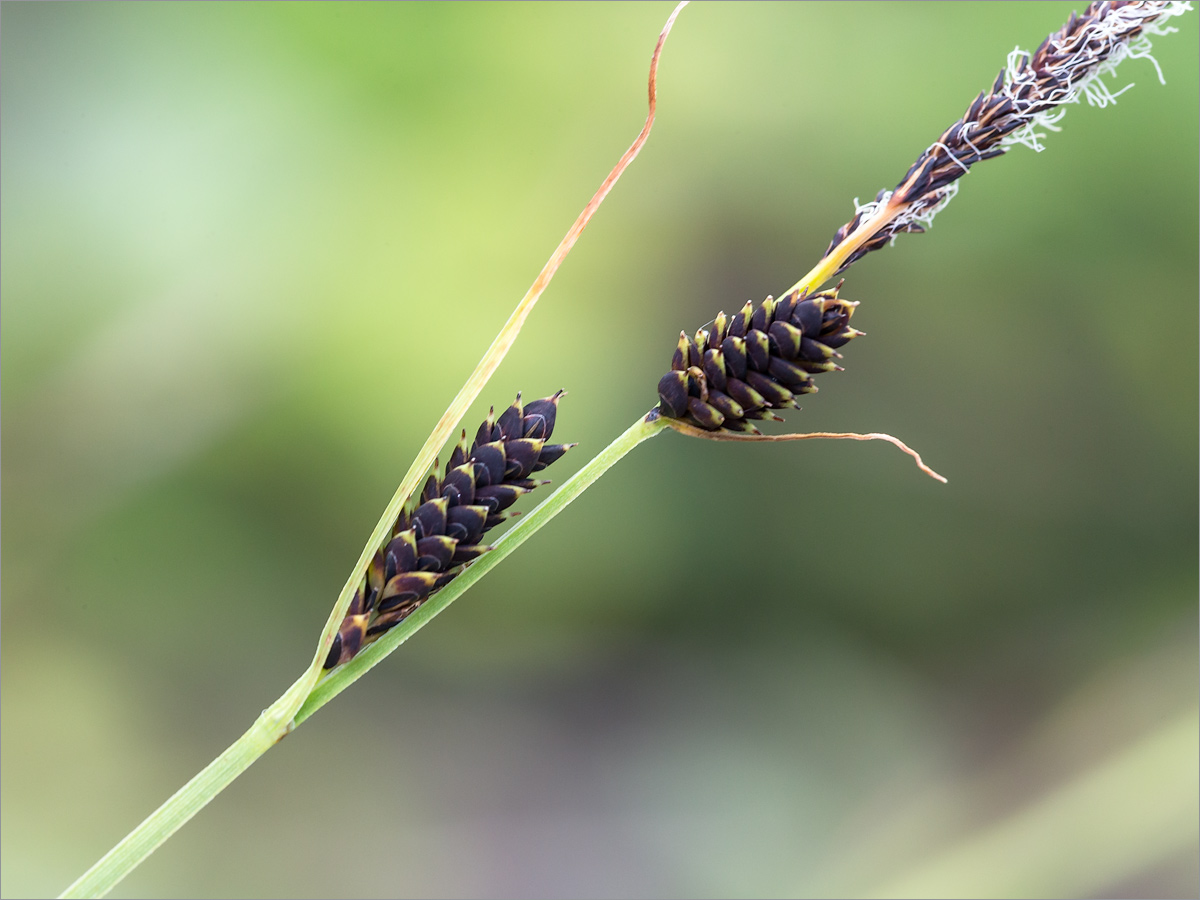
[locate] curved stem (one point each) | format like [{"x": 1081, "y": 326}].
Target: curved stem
[
  {"x": 492, "y": 358},
  {"x": 692, "y": 431},
  {"x": 283, "y": 715}
]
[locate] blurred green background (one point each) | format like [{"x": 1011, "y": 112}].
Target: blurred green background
[{"x": 251, "y": 251}]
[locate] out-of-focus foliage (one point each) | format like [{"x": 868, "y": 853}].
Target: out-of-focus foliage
[{"x": 250, "y": 252}]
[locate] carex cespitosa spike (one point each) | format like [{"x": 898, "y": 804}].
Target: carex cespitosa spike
[
  {"x": 1024, "y": 98},
  {"x": 743, "y": 366},
  {"x": 434, "y": 537}
]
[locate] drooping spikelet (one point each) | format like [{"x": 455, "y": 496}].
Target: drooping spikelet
[
  {"x": 431, "y": 542},
  {"x": 746, "y": 365},
  {"x": 1028, "y": 94}
]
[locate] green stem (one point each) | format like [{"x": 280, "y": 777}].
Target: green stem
[
  {"x": 301, "y": 700},
  {"x": 191, "y": 798},
  {"x": 344, "y": 676}
]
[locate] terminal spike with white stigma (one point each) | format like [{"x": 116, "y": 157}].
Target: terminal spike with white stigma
[{"x": 1029, "y": 94}]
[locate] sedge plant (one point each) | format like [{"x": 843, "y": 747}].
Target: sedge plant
[{"x": 428, "y": 546}]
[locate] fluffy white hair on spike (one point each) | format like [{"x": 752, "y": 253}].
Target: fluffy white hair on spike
[
  {"x": 868, "y": 209},
  {"x": 1081, "y": 77},
  {"x": 1029, "y": 100},
  {"x": 963, "y": 131},
  {"x": 966, "y": 169},
  {"x": 1097, "y": 93},
  {"x": 922, "y": 211},
  {"x": 1029, "y": 136}
]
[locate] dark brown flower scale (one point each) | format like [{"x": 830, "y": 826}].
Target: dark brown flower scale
[
  {"x": 430, "y": 543},
  {"x": 1039, "y": 83},
  {"x": 758, "y": 360}
]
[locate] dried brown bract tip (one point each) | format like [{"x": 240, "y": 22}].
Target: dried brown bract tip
[
  {"x": 744, "y": 366},
  {"x": 431, "y": 542}
]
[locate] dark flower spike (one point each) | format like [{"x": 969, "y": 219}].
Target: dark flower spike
[
  {"x": 1027, "y": 95},
  {"x": 741, "y": 367},
  {"x": 747, "y": 365},
  {"x": 431, "y": 543}
]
